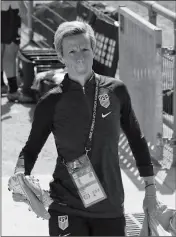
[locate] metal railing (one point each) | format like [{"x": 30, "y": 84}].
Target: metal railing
[
  {"x": 29, "y": 33},
  {"x": 154, "y": 8}
]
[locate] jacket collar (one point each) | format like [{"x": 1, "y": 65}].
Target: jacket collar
[{"x": 71, "y": 84}]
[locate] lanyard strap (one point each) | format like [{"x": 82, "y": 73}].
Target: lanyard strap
[{"x": 89, "y": 141}]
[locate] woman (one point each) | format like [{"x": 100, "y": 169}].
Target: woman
[{"x": 85, "y": 119}]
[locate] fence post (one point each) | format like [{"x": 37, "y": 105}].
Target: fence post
[
  {"x": 152, "y": 16},
  {"x": 174, "y": 98},
  {"x": 30, "y": 25}
]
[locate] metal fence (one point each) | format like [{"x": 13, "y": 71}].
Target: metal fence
[
  {"x": 169, "y": 82},
  {"x": 168, "y": 63},
  {"x": 140, "y": 68},
  {"x": 168, "y": 90},
  {"x": 168, "y": 66}
]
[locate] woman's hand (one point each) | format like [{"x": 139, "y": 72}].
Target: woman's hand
[{"x": 150, "y": 202}]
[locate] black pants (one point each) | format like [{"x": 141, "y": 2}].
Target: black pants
[{"x": 80, "y": 226}]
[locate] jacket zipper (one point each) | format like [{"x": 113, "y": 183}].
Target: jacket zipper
[{"x": 86, "y": 98}]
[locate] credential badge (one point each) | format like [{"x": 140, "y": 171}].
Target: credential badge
[
  {"x": 104, "y": 100},
  {"x": 63, "y": 222}
]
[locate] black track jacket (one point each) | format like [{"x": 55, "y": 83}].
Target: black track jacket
[{"x": 68, "y": 115}]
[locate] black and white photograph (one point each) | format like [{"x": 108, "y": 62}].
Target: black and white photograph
[{"x": 88, "y": 118}]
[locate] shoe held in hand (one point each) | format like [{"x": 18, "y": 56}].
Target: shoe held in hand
[{"x": 27, "y": 189}]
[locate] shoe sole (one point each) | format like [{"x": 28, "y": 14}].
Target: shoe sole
[{"x": 35, "y": 204}]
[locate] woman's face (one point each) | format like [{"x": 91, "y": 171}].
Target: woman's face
[{"x": 77, "y": 55}]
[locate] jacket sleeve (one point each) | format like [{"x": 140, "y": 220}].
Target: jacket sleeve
[
  {"x": 136, "y": 139},
  {"x": 40, "y": 130}
]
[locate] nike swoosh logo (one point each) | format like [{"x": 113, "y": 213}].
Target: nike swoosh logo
[
  {"x": 65, "y": 234},
  {"x": 105, "y": 115}
]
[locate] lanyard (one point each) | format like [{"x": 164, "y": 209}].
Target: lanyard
[{"x": 89, "y": 141}]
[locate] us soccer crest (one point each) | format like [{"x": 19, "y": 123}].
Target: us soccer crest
[
  {"x": 104, "y": 100},
  {"x": 63, "y": 222}
]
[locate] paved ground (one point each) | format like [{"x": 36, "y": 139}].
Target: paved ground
[{"x": 16, "y": 219}]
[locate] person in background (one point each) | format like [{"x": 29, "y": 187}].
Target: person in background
[
  {"x": 85, "y": 114},
  {"x": 12, "y": 12}
]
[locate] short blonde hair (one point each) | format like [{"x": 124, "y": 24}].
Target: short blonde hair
[{"x": 72, "y": 28}]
